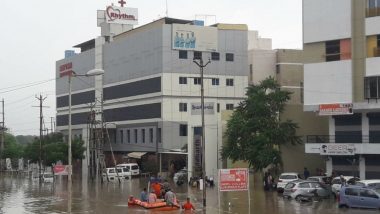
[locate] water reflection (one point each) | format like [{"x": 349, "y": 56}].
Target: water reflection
[{"x": 21, "y": 195}]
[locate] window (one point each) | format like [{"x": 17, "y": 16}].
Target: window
[
  {"x": 182, "y": 130},
  {"x": 143, "y": 135},
  {"x": 129, "y": 136},
  {"x": 197, "y": 55},
  {"x": 218, "y": 107},
  {"x": 183, "y": 107},
  {"x": 229, "y": 106},
  {"x": 304, "y": 185},
  {"x": 182, "y": 80},
  {"x": 372, "y": 89},
  {"x": 333, "y": 50},
  {"x": 368, "y": 193},
  {"x": 159, "y": 135},
  {"x": 182, "y": 54},
  {"x": 197, "y": 81},
  {"x": 229, "y": 82},
  {"x": 121, "y": 136},
  {"x": 373, "y": 8},
  {"x": 250, "y": 73},
  {"x": 215, "y": 81},
  {"x": 229, "y": 57},
  {"x": 135, "y": 135},
  {"x": 151, "y": 135},
  {"x": 215, "y": 56},
  {"x": 301, "y": 93}
]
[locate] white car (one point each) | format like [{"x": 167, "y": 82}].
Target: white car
[
  {"x": 180, "y": 175},
  {"x": 47, "y": 177},
  {"x": 336, "y": 183},
  {"x": 111, "y": 175},
  {"x": 373, "y": 183},
  {"x": 284, "y": 179},
  {"x": 132, "y": 169}
]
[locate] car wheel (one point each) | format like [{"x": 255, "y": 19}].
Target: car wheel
[
  {"x": 342, "y": 206},
  {"x": 298, "y": 198}
]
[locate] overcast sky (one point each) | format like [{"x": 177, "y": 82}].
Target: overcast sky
[{"x": 34, "y": 34}]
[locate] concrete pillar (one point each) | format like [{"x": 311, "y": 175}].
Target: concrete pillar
[
  {"x": 365, "y": 128},
  {"x": 329, "y": 166},
  {"x": 332, "y": 129},
  {"x": 362, "y": 168},
  {"x": 86, "y": 159}
]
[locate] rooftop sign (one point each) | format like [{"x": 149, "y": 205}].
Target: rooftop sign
[{"x": 121, "y": 15}]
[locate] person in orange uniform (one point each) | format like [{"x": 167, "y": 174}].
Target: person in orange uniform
[
  {"x": 188, "y": 205},
  {"x": 157, "y": 188}
]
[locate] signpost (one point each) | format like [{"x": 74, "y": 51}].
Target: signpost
[{"x": 234, "y": 180}]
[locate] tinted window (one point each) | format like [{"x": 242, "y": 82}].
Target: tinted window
[
  {"x": 135, "y": 167},
  {"x": 125, "y": 170},
  {"x": 304, "y": 185},
  {"x": 368, "y": 193},
  {"x": 288, "y": 177},
  {"x": 351, "y": 191},
  {"x": 111, "y": 171},
  {"x": 290, "y": 185},
  {"x": 182, "y": 54}
]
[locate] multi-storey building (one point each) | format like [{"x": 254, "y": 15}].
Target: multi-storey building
[
  {"x": 151, "y": 90},
  {"x": 341, "y": 81}
]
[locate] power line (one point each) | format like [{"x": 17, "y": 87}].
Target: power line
[{"x": 4, "y": 90}]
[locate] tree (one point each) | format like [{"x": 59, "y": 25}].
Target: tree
[
  {"x": 254, "y": 131},
  {"x": 53, "y": 149},
  {"x": 12, "y": 149}
]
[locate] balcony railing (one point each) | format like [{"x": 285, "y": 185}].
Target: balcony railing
[{"x": 343, "y": 139}]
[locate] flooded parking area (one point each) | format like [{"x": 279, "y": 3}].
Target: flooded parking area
[{"x": 19, "y": 194}]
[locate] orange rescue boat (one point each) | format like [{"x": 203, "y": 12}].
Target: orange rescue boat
[{"x": 159, "y": 206}]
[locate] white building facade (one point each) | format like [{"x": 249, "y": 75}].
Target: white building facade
[
  {"x": 151, "y": 90},
  {"x": 341, "y": 43}
]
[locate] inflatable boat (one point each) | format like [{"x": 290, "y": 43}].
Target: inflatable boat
[{"x": 159, "y": 205}]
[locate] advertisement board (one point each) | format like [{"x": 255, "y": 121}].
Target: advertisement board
[
  {"x": 122, "y": 15},
  {"x": 233, "y": 179},
  {"x": 61, "y": 169},
  {"x": 197, "y": 107},
  {"x": 66, "y": 69},
  {"x": 337, "y": 149},
  {"x": 192, "y": 37},
  {"x": 335, "y": 109}
]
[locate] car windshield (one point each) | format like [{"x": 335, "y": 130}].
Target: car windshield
[
  {"x": 288, "y": 177},
  {"x": 135, "y": 167},
  {"x": 313, "y": 179}
]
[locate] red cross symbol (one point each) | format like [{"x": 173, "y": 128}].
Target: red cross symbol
[{"x": 122, "y": 3}]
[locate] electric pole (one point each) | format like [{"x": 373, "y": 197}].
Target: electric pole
[
  {"x": 2, "y": 129},
  {"x": 41, "y": 99}
]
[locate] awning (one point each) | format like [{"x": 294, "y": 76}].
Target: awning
[{"x": 137, "y": 155}]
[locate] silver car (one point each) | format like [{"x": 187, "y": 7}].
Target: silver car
[{"x": 296, "y": 189}]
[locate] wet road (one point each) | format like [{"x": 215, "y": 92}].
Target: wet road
[{"x": 21, "y": 195}]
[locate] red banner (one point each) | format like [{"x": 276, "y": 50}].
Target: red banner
[
  {"x": 233, "y": 179},
  {"x": 66, "y": 69},
  {"x": 61, "y": 169}
]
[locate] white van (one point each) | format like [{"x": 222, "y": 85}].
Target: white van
[
  {"x": 111, "y": 173},
  {"x": 132, "y": 168}
]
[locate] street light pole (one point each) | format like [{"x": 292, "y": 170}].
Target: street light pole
[{"x": 201, "y": 66}]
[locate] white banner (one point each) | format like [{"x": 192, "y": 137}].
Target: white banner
[
  {"x": 196, "y": 108},
  {"x": 337, "y": 149},
  {"x": 192, "y": 37},
  {"x": 122, "y": 15},
  {"x": 335, "y": 109}
]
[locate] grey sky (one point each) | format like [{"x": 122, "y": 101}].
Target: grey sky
[{"x": 35, "y": 34}]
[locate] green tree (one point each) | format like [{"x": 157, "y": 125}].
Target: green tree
[
  {"x": 12, "y": 149},
  {"x": 254, "y": 131},
  {"x": 53, "y": 149}
]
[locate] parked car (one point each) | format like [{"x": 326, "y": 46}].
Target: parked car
[
  {"x": 285, "y": 178},
  {"x": 358, "y": 196},
  {"x": 295, "y": 189},
  {"x": 321, "y": 179},
  {"x": 336, "y": 183},
  {"x": 373, "y": 184},
  {"x": 132, "y": 168},
  {"x": 180, "y": 175},
  {"x": 47, "y": 177},
  {"x": 111, "y": 175}
]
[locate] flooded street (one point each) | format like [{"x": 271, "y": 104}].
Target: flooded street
[{"x": 21, "y": 195}]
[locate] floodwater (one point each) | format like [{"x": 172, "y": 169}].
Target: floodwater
[{"x": 18, "y": 194}]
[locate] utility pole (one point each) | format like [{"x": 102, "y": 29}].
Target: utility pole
[
  {"x": 2, "y": 129},
  {"x": 41, "y": 99},
  {"x": 52, "y": 125},
  {"x": 201, "y": 66}
]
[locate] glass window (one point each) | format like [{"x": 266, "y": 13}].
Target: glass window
[
  {"x": 229, "y": 57},
  {"x": 230, "y": 106},
  {"x": 215, "y": 81},
  {"x": 333, "y": 50},
  {"x": 182, "y": 54},
  {"x": 215, "y": 56},
  {"x": 182, "y": 80},
  {"x": 218, "y": 107},
  {"x": 229, "y": 82},
  {"x": 136, "y": 135},
  {"x": 368, "y": 193},
  {"x": 182, "y": 130},
  {"x": 197, "y": 81},
  {"x": 151, "y": 135},
  {"x": 372, "y": 89},
  {"x": 121, "y": 136},
  {"x": 304, "y": 185},
  {"x": 143, "y": 135},
  {"x": 159, "y": 135},
  {"x": 129, "y": 136},
  {"x": 183, "y": 107},
  {"x": 197, "y": 55}
]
